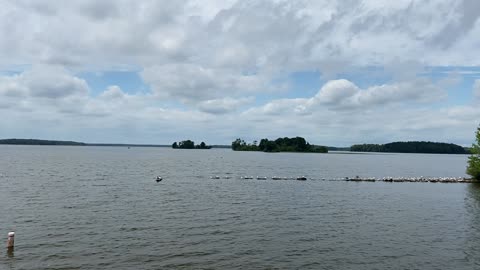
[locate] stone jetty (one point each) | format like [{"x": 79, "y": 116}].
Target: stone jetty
[
  {"x": 388, "y": 179},
  {"x": 420, "y": 179},
  {"x": 300, "y": 178}
]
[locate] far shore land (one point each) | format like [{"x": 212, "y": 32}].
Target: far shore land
[
  {"x": 73, "y": 143},
  {"x": 395, "y": 147}
]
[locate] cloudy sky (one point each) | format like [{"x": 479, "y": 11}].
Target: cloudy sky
[{"x": 153, "y": 71}]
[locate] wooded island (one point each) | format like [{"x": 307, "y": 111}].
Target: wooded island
[
  {"x": 188, "y": 144},
  {"x": 297, "y": 144},
  {"x": 411, "y": 147}
]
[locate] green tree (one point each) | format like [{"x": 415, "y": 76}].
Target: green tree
[
  {"x": 187, "y": 144},
  {"x": 237, "y": 144},
  {"x": 297, "y": 144},
  {"x": 263, "y": 144},
  {"x": 270, "y": 146},
  {"x": 473, "y": 168},
  {"x": 175, "y": 145}
]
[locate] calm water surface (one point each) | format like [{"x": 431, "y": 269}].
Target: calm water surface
[{"x": 100, "y": 208}]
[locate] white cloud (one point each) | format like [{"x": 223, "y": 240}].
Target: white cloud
[
  {"x": 48, "y": 86},
  {"x": 321, "y": 118},
  {"x": 278, "y": 107},
  {"x": 337, "y": 92},
  {"x": 379, "y": 124},
  {"x": 112, "y": 93},
  {"x": 239, "y": 34},
  {"x": 476, "y": 89},
  {"x": 11, "y": 87},
  {"x": 224, "y": 105},
  {"x": 55, "y": 91},
  {"x": 193, "y": 83},
  {"x": 215, "y": 58},
  {"x": 52, "y": 82},
  {"x": 341, "y": 94}
]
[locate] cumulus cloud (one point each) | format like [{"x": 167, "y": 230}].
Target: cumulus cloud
[
  {"x": 319, "y": 118},
  {"x": 279, "y": 107},
  {"x": 213, "y": 59},
  {"x": 341, "y": 95},
  {"x": 377, "y": 125},
  {"x": 53, "y": 83},
  {"x": 337, "y": 93},
  {"x": 42, "y": 87},
  {"x": 476, "y": 89},
  {"x": 49, "y": 82},
  {"x": 191, "y": 83},
  {"x": 345, "y": 94},
  {"x": 55, "y": 91},
  {"x": 224, "y": 105},
  {"x": 12, "y": 87}
]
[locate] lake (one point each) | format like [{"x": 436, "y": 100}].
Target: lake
[{"x": 100, "y": 208}]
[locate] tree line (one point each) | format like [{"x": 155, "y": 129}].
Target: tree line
[
  {"x": 188, "y": 144},
  {"x": 297, "y": 144},
  {"x": 39, "y": 142},
  {"x": 411, "y": 147}
]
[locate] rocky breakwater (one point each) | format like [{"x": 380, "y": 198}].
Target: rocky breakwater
[{"x": 420, "y": 179}]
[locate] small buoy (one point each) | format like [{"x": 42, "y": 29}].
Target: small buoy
[
  {"x": 10, "y": 240},
  {"x": 159, "y": 179}
]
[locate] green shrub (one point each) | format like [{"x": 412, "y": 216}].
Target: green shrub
[{"x": 473, "y": 168}]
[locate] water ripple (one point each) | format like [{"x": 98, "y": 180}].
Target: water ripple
[{"x": 100, "y": 208}]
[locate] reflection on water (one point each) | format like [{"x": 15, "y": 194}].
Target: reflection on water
[
  {"x": 10, "y": 252},
  {"x": 8, "y": 261},
  {"x": 473, "y": 199},
  {"x": 472, "y": 204}
]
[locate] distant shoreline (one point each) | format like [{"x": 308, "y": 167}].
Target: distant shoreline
[
  {"x": 339, "y": 150},
  {"x": 73, "y": 143}
]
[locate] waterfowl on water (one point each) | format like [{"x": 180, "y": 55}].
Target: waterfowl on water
[{"x": 158, "y": 179}]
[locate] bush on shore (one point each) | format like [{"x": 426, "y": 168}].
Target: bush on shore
[{"x": 473, "y": 167}]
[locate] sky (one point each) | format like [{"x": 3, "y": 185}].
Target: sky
[{"x": 153, "y": 72}]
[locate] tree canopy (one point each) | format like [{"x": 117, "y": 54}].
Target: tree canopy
[
  {"x": 411, "y": 147},
  {"x": 473, "y": 167},
  {"x": 188, "y": 144},
  {"x": 297, "y": 144}
]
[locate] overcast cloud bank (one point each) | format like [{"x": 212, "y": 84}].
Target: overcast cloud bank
[{"x": 217, "y": 70}]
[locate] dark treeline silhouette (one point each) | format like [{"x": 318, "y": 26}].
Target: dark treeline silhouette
[
  {"x": 188, "y": 144},
  {"x": 38, "y": 142},
  {"x": 297, "y": 144},
  {"x": 333, "y": 148},
  {"x": 411, "y": 147}
]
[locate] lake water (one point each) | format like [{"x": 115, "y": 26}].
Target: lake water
[{"x": 100, "y": 208}]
